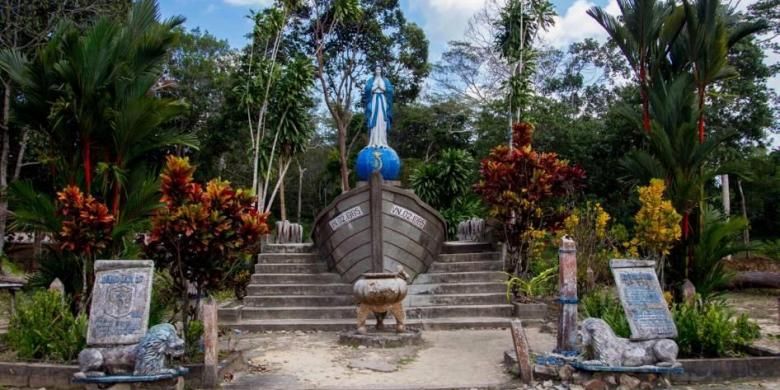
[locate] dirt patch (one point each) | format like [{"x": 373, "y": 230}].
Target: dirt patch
[{"x": 463, "y": 358}]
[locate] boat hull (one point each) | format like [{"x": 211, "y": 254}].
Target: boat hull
[{"x": 411, "y": 231}]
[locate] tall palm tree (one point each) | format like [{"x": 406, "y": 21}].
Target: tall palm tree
[
  {"x": 638, "y": 34},
  {"x": 675, "y": 154},
  {"x": 708, "y": 35}
]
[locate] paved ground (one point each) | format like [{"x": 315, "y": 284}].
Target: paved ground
[
  {"x": 462, "y": 359},
  {"x": 762, "y": 307}
]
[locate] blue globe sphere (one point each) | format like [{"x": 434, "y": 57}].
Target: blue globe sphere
[{"x": 385, "y": 159}]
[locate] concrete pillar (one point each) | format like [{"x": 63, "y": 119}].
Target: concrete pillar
[
  {"x": 567, "y": 285},
  {"x": 210, "y": 345}
]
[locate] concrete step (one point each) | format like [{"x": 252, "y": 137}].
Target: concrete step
[
  {"x": 349, "y": 312},
  {"x": 466, "y": 266},
  {"x": 298, "y": 300},
  {"x": 460, "y": 277},
  {"x": 288, "y": 248},
  {"x": 346, "y": 324},
  {"x": 457, "y": 288},
  {"x": 296, "y": 278},
  {"x": 299, "y": 289},
  {"x": 286, "y": 268},
  {"x": 466, "y": 247},
  {"x": 461, "y": 257},
  {"x": 288, "y": 258},
  {"x": 416, "y": 300}
]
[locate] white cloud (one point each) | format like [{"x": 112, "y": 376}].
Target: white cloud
[
  {"x": 576, "y": 25},
  {"x": 253, "y": 3},
  {"x": 445, "y": 20}
]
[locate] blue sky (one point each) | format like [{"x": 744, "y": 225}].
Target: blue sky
[{"x": 442, "y": 20}]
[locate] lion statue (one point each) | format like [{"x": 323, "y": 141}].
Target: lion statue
[
  {"x": 145, "y": 358},
  {"x": 607, "y": 348}
]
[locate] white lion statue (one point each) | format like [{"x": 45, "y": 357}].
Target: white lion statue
[{"x": 609, "y": 349}]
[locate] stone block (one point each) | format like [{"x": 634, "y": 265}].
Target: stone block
[
  {"x": 629, "y": 382},
  {"x": 595, "y": 384}
]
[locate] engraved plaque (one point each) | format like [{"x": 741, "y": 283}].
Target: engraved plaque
[
  {"x": 120, "y": 302},
  {"x": 409, "y": 216},
  {"x": 345, "y": 217},
  {"x": 642, "y": 299}
]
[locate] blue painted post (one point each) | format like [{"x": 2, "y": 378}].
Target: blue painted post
[{"x": 567, "y": 285}]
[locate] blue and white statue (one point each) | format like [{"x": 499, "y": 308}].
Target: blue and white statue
[
  {"x": 378, "y": 156},
  {"x": 378, "y": 98}
]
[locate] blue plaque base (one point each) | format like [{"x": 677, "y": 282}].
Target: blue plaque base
[
  {"x": 640, "y": 369},
  {"x": 113, "y": 379}
]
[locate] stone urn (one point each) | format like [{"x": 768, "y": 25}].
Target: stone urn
[{"x": 380, "y": 293}]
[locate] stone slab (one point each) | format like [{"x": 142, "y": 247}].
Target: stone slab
[
  {"x": 643, "y": 301},
  {"x": 384, "y": 339},
  {"x": 120, "y": 302},
  {"x": 630, "y": 263},
  {"x": 373, "y": 365}
]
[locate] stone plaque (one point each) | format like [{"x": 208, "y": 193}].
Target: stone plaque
[
  {"x": 345, "y": 217},
  {"x": 642, "y": 299},
  {"x": 408, "y": 215},
  {"x": 120, "y": 301}
]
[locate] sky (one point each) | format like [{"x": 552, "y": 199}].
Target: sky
[{"x": 442, "y": 20}]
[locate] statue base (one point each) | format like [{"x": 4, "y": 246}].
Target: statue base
[
  {"x": 394, "y": 183},
  {"x": 381, "y": 339}
]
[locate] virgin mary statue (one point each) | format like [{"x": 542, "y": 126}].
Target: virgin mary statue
[{"x": 378, "y": 97}]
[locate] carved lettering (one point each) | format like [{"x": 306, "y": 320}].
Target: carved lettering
[
  {"x": 643, "y": 301},
  {"x": 120, "y": 306}
]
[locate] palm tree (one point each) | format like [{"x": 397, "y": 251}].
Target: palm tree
[
  {"x": 675, "y": 154},
  {"x": 706, "y": 40},
  {"x": 638, "y": 35},
  {"x": 92, "y": 94}
]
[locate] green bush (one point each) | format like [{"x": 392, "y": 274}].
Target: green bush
[
  {"x": 445, "y": 184},
  {"x": 193, "y": 337},
  {"x": 45, "y": 328},
  {"x": 709, "y": 329},
  {"x": 540, "y": 285},
  {"x": 605, "y": 305}
]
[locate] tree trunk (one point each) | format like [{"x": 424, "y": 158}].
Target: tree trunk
[
  {"x": 344, "y": 170},
  {"x": 6, "y": 140},
  {"x": 755, "y": 279},
  {"x": 300, "y": 190},
  {"x": 701, "y": 114},
  {"x": 282, "y": 203},
  {"x": 644, "y": 97},
  {"x": 725, "y": 194},
  {"x": 746, "y": 233}
]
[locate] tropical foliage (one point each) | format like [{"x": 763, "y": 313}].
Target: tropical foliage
[
  {"x": 91, "y": 94},
  {"x": 445, "y": 183},
  {"x": 86, "y": 230},
  {"x": 524, "y": 190},
  {"x": 44, "y": 328},
  {"x": 202, "y": 231}
]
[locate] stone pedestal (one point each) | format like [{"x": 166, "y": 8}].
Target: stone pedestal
[{"x": 381, "y": 339}]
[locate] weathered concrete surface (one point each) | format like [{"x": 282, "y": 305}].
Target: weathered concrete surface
[
  {"x": 449, "y": 359},
  {"x": 120, "y": 302}
]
